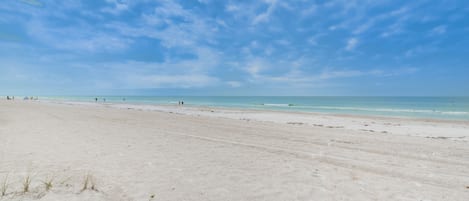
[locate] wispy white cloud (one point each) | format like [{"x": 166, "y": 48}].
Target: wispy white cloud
[
  {"x": 300, "y": 72},
  {"x": 204, "y": 1},
  {"x": 331, "y": 74},
  {"x": 362, "y": 23},
  {"x": 96, "y": 43},
  {"x": 308, "y": 11},
  {"x": 231, "y": 7},
  {"x": 193, "y": 34},
  {"x": 282, "y": 42},
  {"x": 265, "y": 16},
  {"x": 171, "y": 9},
  {"x": 189, "y": 33},
  {"x": 169, "y": 81},
  {"x": 419, "y": 50},
  {"x": 254, "y": 67},
  {"x": 363, "y": 27},
  {"x": 32, "y": 2},
  {"x": 351, "y": 44},
  {"x": 76, "y": 39},
  {"x": 439, "y": 30},
  {"x": 116, "y": 7},
  {"x": 146, "y": 75},
  {"x": 392, "y": 30}
]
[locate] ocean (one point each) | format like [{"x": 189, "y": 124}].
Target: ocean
[{"x": 453, "y": 108}]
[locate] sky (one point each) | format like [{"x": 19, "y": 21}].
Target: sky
[{"x": 215, "y": 47}]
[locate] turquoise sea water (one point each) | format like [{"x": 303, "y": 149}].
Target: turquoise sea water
[{"x": 456, "y": 108}]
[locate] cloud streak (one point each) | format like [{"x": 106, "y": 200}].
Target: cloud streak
[
  {"x": 264, "y": 17},
  {"x": 351, "y": 44}
]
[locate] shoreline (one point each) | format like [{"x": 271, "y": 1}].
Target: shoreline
[
  {"x": 438, "y": 112},
  {"x": 234, "y": 109},
  {"x": 428, "y": 128}
]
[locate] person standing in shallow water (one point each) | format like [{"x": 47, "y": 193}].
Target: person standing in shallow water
[{"x": 95, "y": 99}]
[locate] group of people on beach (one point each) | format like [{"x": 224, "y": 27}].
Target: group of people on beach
[
  {"x": 104, "y": 99},
  {"x": 96, "y": 99},
  {"x": 30, "y": 98},
  {"x": 180, "y": 102},
  {"x": 25, "y": 98}
]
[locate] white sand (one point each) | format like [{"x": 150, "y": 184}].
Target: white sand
[{"x": 188, "y": 153}]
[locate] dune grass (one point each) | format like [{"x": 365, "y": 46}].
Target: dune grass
[
  {"x": 89, "y": 183},
  {"x": 48, "y": 183},
  {"x": 26, "y": 184},
  {"x": 4, "y": 186}
]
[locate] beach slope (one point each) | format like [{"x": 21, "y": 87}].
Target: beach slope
[{"x": 105, "y": 152}]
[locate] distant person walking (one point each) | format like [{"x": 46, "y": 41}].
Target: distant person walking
[{"x": 95, "y": 99}]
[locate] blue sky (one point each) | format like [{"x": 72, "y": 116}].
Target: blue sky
[{"x": 211, "y": 47}]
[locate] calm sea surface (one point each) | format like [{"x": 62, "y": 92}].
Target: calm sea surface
[{"x": 418, "y": 107}]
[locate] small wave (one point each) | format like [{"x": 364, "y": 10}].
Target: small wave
[
  {"x": 456, "y": 113},
  {"x": 277, "y": 105},
  {"x": 452, "y": 113},
  {"x": 390, "y": 110}
]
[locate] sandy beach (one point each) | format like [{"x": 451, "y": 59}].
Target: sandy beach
[{"x": 89, "y": 151}]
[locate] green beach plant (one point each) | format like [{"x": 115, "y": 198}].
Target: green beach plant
[
  {"x": 4, "y": 186},
  {"x": 48, "y": 183},
  {"x": 26, "y": 184},
  {"x": 89, "y": 183}
]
